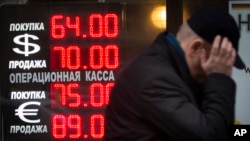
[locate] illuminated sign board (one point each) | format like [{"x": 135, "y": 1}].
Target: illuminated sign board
[{"x": 58, "y": 65}]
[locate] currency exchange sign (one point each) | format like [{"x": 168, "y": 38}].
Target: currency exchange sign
[{"x": 58, "y": 64}]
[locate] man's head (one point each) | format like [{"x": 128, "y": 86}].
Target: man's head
[{"x": 199, "y": 33}]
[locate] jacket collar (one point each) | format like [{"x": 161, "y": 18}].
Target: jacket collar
[
  {"x": 177, "y": 56},
  {"x": 173, "y": 52},
  {"x": 175, "y": 44}
]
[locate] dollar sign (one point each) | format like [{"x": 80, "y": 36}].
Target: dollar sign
[{"x": 29, "y": 48}]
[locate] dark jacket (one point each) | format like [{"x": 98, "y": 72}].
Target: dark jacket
[{"x": 154, "y": 99}]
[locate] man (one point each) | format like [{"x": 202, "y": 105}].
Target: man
[{"x": 179, "y": 89}]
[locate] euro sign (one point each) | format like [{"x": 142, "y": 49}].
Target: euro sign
[
  {"x": 23, "y": 113},
  {"x": 29, "y": 48}
]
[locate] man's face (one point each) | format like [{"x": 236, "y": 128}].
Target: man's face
[
  {"x": 207, "y": 48},
  {"x": 194, "y": 61}
]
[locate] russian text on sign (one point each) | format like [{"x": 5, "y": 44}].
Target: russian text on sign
[
  {"x": 28, "y": 129},
  {"x": 45, "y": 77},
  {"x": 21, "y": 95},
  {"x": 27, "y": 26},
  {"x": 99, "y": 76},
  {"x": 27, "y": 64}
]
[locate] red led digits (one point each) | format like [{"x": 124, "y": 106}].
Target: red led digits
[
  {"x": 99, "y": 25},
  {"x": 95, "y": 25},
  {"x": 61, "y": 50},
  {"x": 97, "y": 126},
  {"x": 73, "y": 51},
  {"x": 115, "y": 51},
  {"x": 99, "y": 94},
  {"x": 71, "y": 126},
  {"x": 75, "y": 25},
  {"x": 96, "y": 57},
  {"x": 59, "y": 126},
  {"x": 111, "y": 25},
  {"x": 108, "y": 87},
  {"x": 69, "y": 57},
  {"x": 74, "y": 123},
  {"x": 93, "y": 40},
  {"x": 74, "y": 97},
  {"x": 96, "y": 89},
  {"x": 58, "y": 89},
  {"x": 65, "y": 94},
  {"x": 57, "y": 30}
]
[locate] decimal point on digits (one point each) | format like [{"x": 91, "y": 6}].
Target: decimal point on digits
[
  {"x": 85, "y": 105},
  {"x": 85, "y": 67},
  {"x": 84, "y": 36},
  {"x": 85, "y": 136}
]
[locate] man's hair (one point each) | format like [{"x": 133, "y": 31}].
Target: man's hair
[{"x": 186, "y": 34}]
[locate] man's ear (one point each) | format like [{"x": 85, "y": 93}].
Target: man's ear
[{"x": 195, "y": 47}]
